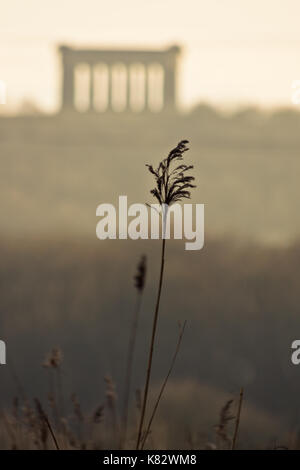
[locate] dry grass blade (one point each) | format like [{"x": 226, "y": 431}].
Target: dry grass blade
[
  {"x": 237, "y": 420},
  {"x": 44, "y": 418},
  {"x": 181, "y": 332},
  {"x": 225, "y": 418}
]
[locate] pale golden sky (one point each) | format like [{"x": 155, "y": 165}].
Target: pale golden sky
[{"x": 234, "y": 50}]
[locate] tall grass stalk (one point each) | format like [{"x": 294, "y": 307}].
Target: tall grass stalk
[
  {"x": 150, "y": 358},
  {"x": 171, "y": 185},
  {"x": 139, "y": 279}
]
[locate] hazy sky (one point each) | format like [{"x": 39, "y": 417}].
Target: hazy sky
[{"x": 234, "y": 51}]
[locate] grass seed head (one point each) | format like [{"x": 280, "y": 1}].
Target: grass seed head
[
  {"x": 172, "y": 183},
  {"x": 140, "y": 277}
]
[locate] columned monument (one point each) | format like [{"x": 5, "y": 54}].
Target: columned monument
[{"x": 119, "y": 80}]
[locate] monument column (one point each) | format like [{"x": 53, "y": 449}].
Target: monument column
[
  {"x": 127, "y": 107},
  {"x": 170, "y": 73},
  {"x": 142, "y": 60},
  {"x": 109, "y": 87},
  {"x": 68, "y": 79},
  {"x": 92, "y": 88},
  {"x": 147, "y": 88},
  {"x": 169, "y": 98}
]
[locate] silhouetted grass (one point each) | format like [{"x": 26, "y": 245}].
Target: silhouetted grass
[
  {"x": 171, "y": 185},
  {"x": 253, "y": 280}
]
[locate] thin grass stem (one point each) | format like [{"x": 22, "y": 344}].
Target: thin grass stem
[
  {"x": 181, "y": 332},
  {"x": 237, "y": 421},
  {"x": 149, "y": 367}
]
